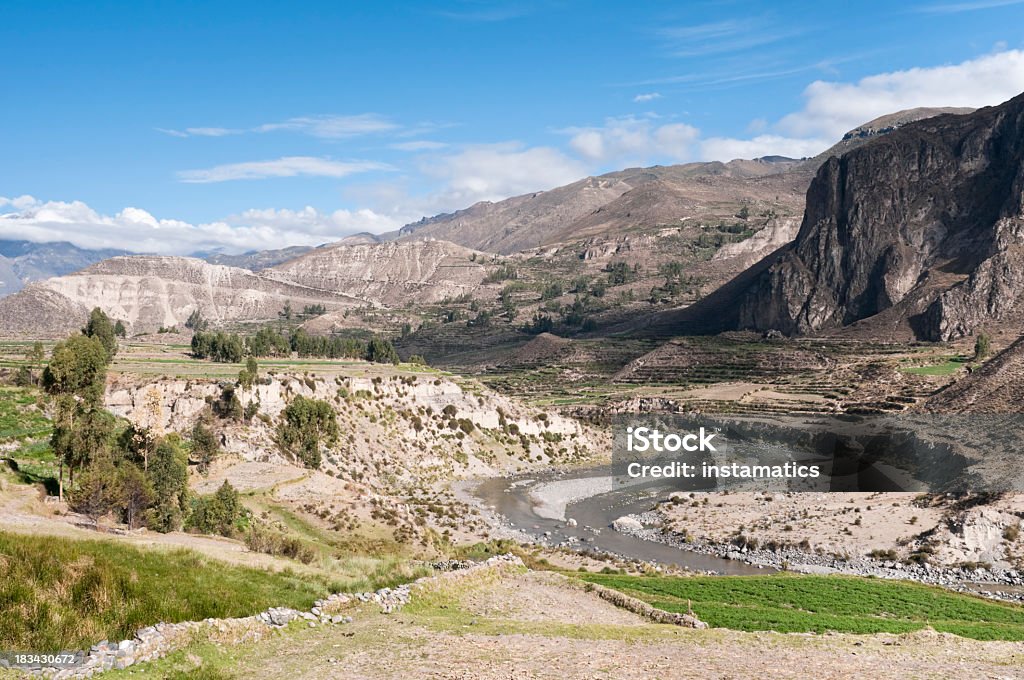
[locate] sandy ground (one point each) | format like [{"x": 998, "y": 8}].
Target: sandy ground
[
  {"x": 852, "y": 523},
  {"x": 825, "y": 520},
  {"x": 245, "y": 475}
]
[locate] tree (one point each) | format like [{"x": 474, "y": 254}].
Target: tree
[
  {"x": 119, "y": 329},
  {"x": 307, "y": 425},
  {"x": 76, "y": 374},
  {"x": 250, "y": 374},
  {"x": 228, "y": 406},
  {"x": 136, "y": 493},
  {"x": 78, "y": 367},
  {"x": 205, "y": 446},
  {"x": 168, "y": 473},
  {"x": 381, "y": 352},
  {"x": 982, "y": 346},
  {"x": 90, "y": 436},
  {"x": 196, "y": 322},
  {"x": 97, "y": 493},
  {"x": 100, "y": 327},
  {"x": 219, "y": 513},
  {"x": 27, "y": 374}
]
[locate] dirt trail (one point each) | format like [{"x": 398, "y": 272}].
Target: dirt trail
[{"x": 23, "y": 511}]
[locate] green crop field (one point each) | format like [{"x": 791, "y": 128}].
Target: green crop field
[
  {"x": 800, "y": 604},
  {"x": 945, "y": 368}
]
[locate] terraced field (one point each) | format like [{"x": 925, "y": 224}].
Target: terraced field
[{"x": 805, "y": 604}]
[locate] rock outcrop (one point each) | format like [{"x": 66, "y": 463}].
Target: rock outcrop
[
  {"x": 927, "y": 221},
  {"x": 147, "y": 292},
  {"x": 422, "y": 271}
]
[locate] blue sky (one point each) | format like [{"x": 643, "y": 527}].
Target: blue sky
[{"x": 174, "y": 127}]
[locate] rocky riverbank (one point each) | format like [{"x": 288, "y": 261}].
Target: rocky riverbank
[{"x": 1002, "y": 584}]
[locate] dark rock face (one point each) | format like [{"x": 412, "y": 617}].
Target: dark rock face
[{"x": 930, "y": 216}]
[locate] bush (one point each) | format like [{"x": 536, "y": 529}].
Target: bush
[
  {"x": 307, "y": 425},
  {"x": 267, "y": 541},
  {"x": 219, "y": 513}
]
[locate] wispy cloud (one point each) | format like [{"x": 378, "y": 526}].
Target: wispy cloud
[
  {"x": 486, "y": 11},
  {"x": 201, "y": 132},
  {"x": 288, "y": 166},
  {"x": 333, "y": 127},
  {"x": 647, "y": 97},
  {"x": 958, "y": 7},
  {"x": 732, "y": 36},
  {"x": 419, "y": 145},
  {"x": 328, "y": 126}
]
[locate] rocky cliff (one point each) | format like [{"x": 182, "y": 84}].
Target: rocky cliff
[
  {"x": 147, "y": 292},
  {"x": 392, "y": 273},
  {"x": 925, "y": 223}
]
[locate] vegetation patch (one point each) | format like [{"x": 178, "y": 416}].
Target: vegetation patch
[
  {"x": 66, "y": 594},
  {"x": 804, "y": 604}
]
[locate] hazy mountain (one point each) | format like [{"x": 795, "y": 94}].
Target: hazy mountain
[
  {"x": 255, "y": 260},
  {"x": 24, "y": 261}
]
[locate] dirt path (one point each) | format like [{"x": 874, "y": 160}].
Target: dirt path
[{"x": 23, "y": 512}]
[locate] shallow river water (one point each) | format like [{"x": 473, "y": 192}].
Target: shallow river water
[{"x": 513, "y": 498}]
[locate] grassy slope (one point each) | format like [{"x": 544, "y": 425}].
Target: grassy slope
[
  {"x": 24, "y": 426},
  {"x": 60, "y": 593},
  {"x": 787, "y": 603}
]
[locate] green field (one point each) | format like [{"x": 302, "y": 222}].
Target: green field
[
  {"x": 65, "y": 594},
  {"x": 25, "y": 432},
  {"x": 945, "y": 368},
  {"x": 803, "y": 604}
]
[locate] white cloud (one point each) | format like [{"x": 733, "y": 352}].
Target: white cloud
[
  {"x": 496, "y": 171},
  {"x": 201, "y": 132},
  {"x": 631, "y": 139},
  {"x": 647, "y": 97},
  {"x": 23, "y": 202},
  {"x": 831, "y": 109},
  {"x": 333, "y": 127},
  {"x": 288, "y": 166},
  {"x": 419, "y": 145},
  {"x": 727, "y": 148},
  {"x": 957, "y": 7},
  {"x": 79, "y": 224},
  {"x": 324, "y": 127}
]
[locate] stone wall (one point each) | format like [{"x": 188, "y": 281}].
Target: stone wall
[{"x": 154, "y": 642}]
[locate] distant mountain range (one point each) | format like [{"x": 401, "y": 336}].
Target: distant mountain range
[
  {"x": 639, "y": 215},
  {"x": 24, "y": 261}
]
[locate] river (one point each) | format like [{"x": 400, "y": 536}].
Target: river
[{"x": 594, "y": 505}]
